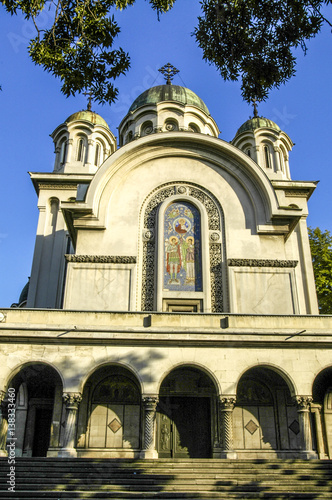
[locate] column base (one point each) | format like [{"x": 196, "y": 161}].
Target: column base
[
  {"x": 308, "y": 455},
  {"x": 148, "y": 454},
  {"x": 229, "y": 454},
  {"x": 67, "y": 453},
  {"x": 3, "y": 453}
]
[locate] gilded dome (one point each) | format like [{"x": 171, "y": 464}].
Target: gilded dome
[
  {"x": 89, "y": 116},
  {"x": 257, "y": 122},
  {"x": 174, "y": 93}
]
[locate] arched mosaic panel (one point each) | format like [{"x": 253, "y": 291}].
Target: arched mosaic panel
[
  {"x": 214, "y": 214},
  {"x": 182, "y": 248}
]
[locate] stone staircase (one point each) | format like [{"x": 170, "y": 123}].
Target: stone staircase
[{"x": 94, "y": 479}]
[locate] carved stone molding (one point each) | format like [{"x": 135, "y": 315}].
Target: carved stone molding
[
  {"x": 215, "y": 237},
  {"x": 148, "y": 234},
  {"x": 262, "y": 263},
  {"x": 182, "y": 189},
  {"x": 297, "y": 193},
  {"x": 213, "y": 211},
  {"x": 102, "y": 259},
  {"x": 42, "y": 185}
]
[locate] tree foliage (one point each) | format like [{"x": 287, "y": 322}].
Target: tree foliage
[
  {"x": 251, "y": 40},
  {"x": 321, "y": 251}
]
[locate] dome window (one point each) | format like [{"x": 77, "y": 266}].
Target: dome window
[
  {"x": 98, "y": 154},
  {"x": 171, "y": 125},
  {"x": 80, "y": 150},
  {"x": 129, "y": 137},
  {"x": 248, "y": 152},
  {"x": 63, "y": 152},
  {"x": 193, "y": 128},
  {"x": 267, "y": 157},
  {"x": 147, "y": 128}
]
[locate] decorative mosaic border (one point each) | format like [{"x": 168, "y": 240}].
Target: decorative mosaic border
[
  {"x": 213, "y": 210},
  {"x": 262, "y": 263},
  {"x": 101, "y": 259}
]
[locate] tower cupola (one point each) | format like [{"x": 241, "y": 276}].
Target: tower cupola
[
  {"x": 82, "y": 143},
  {"x": 264, "y": 141}
]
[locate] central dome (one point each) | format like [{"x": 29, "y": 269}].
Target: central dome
[{"x": 175, "y": 93}]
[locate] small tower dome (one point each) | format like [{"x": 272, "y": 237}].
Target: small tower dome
[
  {"x": 264, "y": 141},
  {"x": 166, "y": 108},
  {"x": 82, "y": 143}
]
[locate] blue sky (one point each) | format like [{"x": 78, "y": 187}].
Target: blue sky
[{"x": 32, "y": 107}]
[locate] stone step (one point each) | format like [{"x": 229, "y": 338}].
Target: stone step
[
  {"x": 204, "y": 495},
  {"x": 104, "y": 478}
]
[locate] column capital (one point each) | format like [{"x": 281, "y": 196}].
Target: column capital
[
  {"x": 2, "y": 396},
  {"x": 303, "y": 402},
  {"x": 150, "y": 402},
  {"x": 72, "y": 399},
  {"x": 226, "y": 401}
]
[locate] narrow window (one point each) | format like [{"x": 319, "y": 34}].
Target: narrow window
[
  {"x": 63, "y": 152},
  {"x": 249, "y": 152},
  {"x": 97, "y": 155},
  {"x": 267, "y": 157},
  {"x": 80, "y": 150}
]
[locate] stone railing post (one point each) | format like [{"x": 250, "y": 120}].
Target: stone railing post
[
  {"x": 226, "y": 407},
  {"x": 303, "y": 410},
  {"x": 3, "y": 424},
  {"x": 72, "y": 401},
  {"x": 149, "y": 444}
]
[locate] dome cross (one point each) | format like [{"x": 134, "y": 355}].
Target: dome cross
[{"x": 169, "y": 71}]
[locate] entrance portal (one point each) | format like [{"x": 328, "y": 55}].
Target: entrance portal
[
  {"x": 184, "y": 428},
  {"x": 185, "y": 408}
]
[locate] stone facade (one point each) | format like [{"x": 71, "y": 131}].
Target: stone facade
[{"x": 171, "y": 309}]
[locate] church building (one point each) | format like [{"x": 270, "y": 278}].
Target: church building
[{"x": 171, "y": 310}]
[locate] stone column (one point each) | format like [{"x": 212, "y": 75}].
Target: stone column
[
  {"x": 316, "y": 409},
  {"x": 72, "y": 401},
  {"x": 149, "y": 445},
  {"x": 3, "y": 424},
  {"x": 226, "y": 407},
  {"x": 303, "y": 409},
  {"x": 90, "y": 152},
  {"x": 70, "y": 153}
]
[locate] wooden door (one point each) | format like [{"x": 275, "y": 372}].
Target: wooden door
[{"x": 184, "y": 427}]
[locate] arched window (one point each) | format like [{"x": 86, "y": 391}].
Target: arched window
[
  {"x": 194, "y": 128},
  {"x": 267, "y": 157},
  {"x": 80, "y": 149},
  {"x": 281, "y": 160},
  {"x": 249, "y": 152},
  {"x": 53, "y": 215},
  {"x": 99, "y": 154},
  {"x": 129, "y": 137},
  {"x": 182, "y": 243},
  {"x": 63, "y": 152},
  {"x": 115, "y": 414},
  {"x": 171, "y": 125},
  {"x": 147, "y": 128}
]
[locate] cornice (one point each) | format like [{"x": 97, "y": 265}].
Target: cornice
[
  {"x": 262, "y": 263},
  {"x": 102, "y": 259}
]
